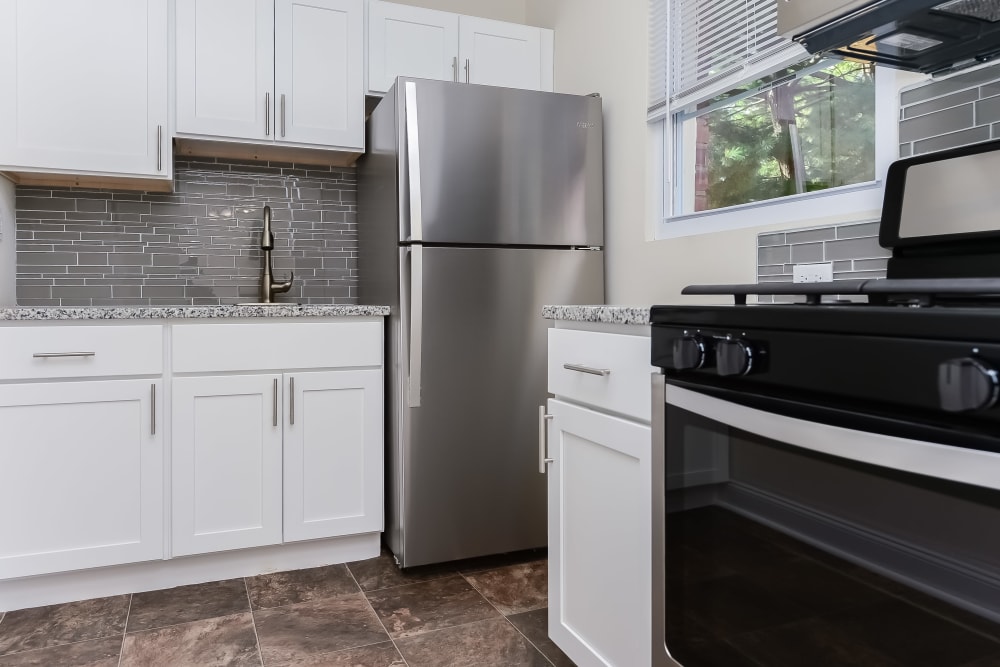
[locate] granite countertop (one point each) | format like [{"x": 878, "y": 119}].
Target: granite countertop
[
  {"x": 606, "y": 314},
  {"x": 187, "y": 312}
]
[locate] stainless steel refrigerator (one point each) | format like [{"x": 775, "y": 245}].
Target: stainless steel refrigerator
[{"x": 477, "y": 205}]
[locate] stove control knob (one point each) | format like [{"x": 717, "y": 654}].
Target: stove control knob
[
  {"x": 733, "y": 357},
  {"x": 967, "y": 384},
  {"x": 689, "y": 353}
]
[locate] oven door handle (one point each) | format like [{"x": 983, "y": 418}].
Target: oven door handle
[{"x": 958, "y": 464}]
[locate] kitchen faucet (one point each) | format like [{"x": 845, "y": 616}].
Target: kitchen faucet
[{"x": 268, "y": 288}]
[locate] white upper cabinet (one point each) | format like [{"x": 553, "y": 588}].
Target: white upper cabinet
[
  {"x": 85, "y": 86},
  {"x": 264, "y": 71},
  {"x": 431, "y": 44},
  {"x": 410, "y": 41},
  {"x": 225, "y": 67},
  {"x": 496, "y": 53}
]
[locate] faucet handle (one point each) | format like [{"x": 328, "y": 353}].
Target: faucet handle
[{"x": 285, "y": 286}]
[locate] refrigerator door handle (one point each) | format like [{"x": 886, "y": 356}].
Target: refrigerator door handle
[
  {"x": 416, "y": 322},
  {"x": 413, "y": 161}
]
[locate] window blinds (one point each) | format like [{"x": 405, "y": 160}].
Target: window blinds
[{"x": 713, "y": 45}]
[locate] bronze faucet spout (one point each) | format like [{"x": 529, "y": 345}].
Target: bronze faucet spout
[{"x": 268, "y": 288}]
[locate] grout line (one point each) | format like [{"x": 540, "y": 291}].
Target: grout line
[
  {"x": 253, "y": 622},
  {"x": 369, "y": 603},
  {"x": 128, "y": 612},
  {"x": 506, "y": 618}
]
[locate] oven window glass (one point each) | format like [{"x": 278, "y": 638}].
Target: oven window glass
[{"x": 777, "y": 556}]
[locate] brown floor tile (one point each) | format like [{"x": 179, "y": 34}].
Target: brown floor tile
[
  {"x": 493, "y": 642},
  {"x": 295, "y": 633},
  {"x": 43, "y": 627},
  {"x": 500, "y": 560},
  {"x": 184, "y": 604},
  {"x": 432, "y": 605},
  {"x": 93, "y": 653},
  {"x": 215, "y": 642},
  {"x": 515, "y": 588},
  {"x": 382, "y": 572},
  {"x": 376, "y": 655},
  {"x": 535, "y": 626},
  {"x": 283, "y": 588}
]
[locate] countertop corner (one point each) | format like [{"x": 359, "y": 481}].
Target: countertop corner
[{"x": 606, "y": 314}]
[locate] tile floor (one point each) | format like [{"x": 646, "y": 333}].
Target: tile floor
[{"x": 487, "y": 612}]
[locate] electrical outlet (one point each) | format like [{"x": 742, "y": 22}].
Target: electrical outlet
[{"x": 813, "y": 273}]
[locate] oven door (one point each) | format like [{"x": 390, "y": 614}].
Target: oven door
[{"x": 781, "y": 542}]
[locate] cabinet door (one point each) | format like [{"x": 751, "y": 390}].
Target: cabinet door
[
  {"x": 225, "y": 68},
  {"x": 599, "y": 491},
  {"x": 410, "y": 41},
  {"x": 85, "y": 86},
  {"x": 333, "y": 454},
  {"x": 496, "y": 53},
  {"x": 81, "y": 476},
  {"x": 226, "y": 443},
  {"x": 319, "y": 71}
]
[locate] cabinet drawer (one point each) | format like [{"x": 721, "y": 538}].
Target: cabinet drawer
[
  {"x": 624, "y": 388},
  {"x": 241, "y": 346},
  {"x": 53, "y": 351}
]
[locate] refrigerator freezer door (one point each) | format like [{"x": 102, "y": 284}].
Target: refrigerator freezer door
[
  {"x": 465, "y": 462},
  {"x": 498, "y": 166}
]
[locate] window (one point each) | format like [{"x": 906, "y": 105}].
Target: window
[{"x": 743, "y": 118}]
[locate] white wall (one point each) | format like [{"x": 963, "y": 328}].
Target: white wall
[
  {"x": 8, "y": 255},
  {"x": 501, "y": 10}
]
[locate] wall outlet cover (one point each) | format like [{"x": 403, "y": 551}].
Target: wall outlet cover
[{"x": 813, "y": 273}]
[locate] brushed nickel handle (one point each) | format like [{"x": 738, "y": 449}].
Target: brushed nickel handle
[
  {"x": 159, "y": 148},
  {"x": 282, "y": 114},
  {"x": 274, "y": 410},
  {"x": 543, "y": 459},
  {"x": 454, "y": 68},
  {"x": 60, "y": 355},
  {"x": 152, "y": 409},
  {"x": 267, "y": 114},
  {"x": 467, "y": 65},
  {"x": 603, "y": 372},
  {"x": 291, "y": 401}
]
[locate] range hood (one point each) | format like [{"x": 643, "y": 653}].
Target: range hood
[{"x": 930, "y": 37}]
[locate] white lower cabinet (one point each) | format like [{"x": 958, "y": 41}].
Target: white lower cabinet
[
  {"x": 333, "y": 454},
  {"x": 226, "y": 437},
  {"x": 599, "y": 537},
  {"x": 597, "y": 447},
  {"x": 81, "y": 475}
]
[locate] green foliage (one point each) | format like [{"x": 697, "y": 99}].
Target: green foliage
[{"x": 749, "y": 155}]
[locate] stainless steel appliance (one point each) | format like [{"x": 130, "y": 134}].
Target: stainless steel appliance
[
  {"x": 827, "y": 473},
  {"x": 477, "y": 206},
  {"x": 927, "y": 36}
]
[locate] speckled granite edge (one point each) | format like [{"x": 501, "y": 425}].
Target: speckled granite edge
[
  {"x": 187, "y": 312},
  {"x": 607, "y": 314}
]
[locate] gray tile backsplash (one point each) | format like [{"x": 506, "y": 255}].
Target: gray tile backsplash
[
  {"x": 952, "y": 112},
  {"x": 853, "y": 250},
  {"x": 196, "y": 246}
]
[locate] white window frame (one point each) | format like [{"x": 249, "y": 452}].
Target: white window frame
[{"x": 847, "y": 203}]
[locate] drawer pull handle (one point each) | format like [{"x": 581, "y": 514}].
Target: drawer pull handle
[
  {"x": 60, "y": 355},
  {"x": 603, "y": 372},
  {"x": 152, "y": 409},
  {"x": 291, "y": 401}
]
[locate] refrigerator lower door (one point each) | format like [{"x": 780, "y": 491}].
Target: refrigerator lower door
[{"x": 463, "y": 461}]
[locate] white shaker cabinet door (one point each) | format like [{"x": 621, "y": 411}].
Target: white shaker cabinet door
[
  {"x": 496, "y": 53},
  {"x": 600, "y": 498},
  {"x": 85, "y": 87},
  {"x": 226, "y": 443},
  {"x": 333, "y": 454},
  {"x": 81, "y": 475},
  {"x": 319, "y": 72},
  {"x": 410, "y": 41},
  {"x": 225, "y": 68}
]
